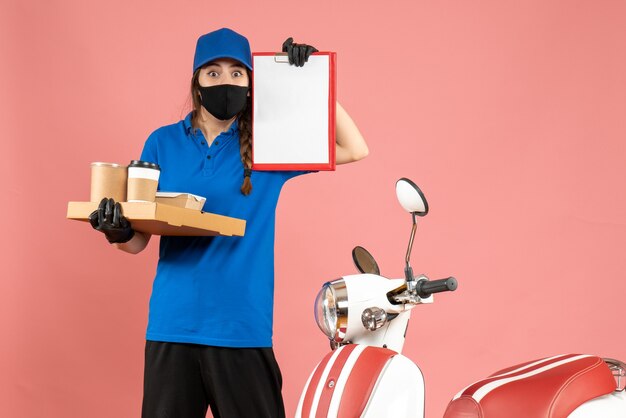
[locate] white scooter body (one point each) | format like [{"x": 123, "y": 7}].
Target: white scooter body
[
  {"x": 366, "y": 317},
  {"x": 612, "y": 405},
  {"x": 396, "y": 389},
  {"x": 370, "y": 290}
]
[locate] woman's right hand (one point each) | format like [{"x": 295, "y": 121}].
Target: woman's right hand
[{"x": 109, "y": 220}]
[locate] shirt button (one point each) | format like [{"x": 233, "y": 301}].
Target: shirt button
[
  {"x": 202, "y": 142},
  {"x": 208, "y": 157},
  {"x": 217, "y": 143}
]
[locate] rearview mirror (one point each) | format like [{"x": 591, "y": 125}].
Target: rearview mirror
[
  {"x": 364, "y": 261},
  {"x": 411, "y": 197}
]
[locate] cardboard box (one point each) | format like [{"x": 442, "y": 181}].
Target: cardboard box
[
  {"x": 181, "y": 200},
  {"x": 160, "y": 219}
]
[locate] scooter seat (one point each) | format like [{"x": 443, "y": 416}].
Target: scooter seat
[{"x": 548, "y": 388}]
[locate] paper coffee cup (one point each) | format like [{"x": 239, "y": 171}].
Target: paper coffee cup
[
  {"x": 108, "y": 180},
  {"x": 143, "y": 180}
]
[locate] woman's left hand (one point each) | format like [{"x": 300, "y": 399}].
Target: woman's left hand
[{"x": 298, "y": 53}]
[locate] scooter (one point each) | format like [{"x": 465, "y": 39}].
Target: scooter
[{"x": 365, "y": 317}]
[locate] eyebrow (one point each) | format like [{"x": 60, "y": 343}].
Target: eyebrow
[{"x": 215, "y": 64}]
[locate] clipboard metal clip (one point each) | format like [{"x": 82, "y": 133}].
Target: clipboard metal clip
[{"x": 281, "y": 57}]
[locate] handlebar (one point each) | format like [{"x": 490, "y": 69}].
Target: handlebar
[{"x": 427, "y": 287}]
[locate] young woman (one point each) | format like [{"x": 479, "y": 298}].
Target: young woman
[{"x": 209, "y": 337}]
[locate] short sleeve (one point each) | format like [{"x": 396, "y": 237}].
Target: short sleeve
[
  {"x": 291, "y": 174},
  {"x": 150, "y": 149}
]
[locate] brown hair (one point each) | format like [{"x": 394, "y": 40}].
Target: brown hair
[{"x": 245, "y": 129}]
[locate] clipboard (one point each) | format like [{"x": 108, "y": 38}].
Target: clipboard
[{"x": 293, "y": 112}]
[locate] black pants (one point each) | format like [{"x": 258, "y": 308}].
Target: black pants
[{"x": 183, "y": 380}]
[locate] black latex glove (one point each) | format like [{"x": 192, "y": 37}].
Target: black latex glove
[
  {"x": 109, "y": 220},
  {"x": 298, "y": 53}
]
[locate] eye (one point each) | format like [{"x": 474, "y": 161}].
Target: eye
[
  {"x": 213, "y": 74},
  {"x": 237, "y": 74}
]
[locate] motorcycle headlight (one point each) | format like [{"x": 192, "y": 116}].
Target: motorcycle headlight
[{"x": 331, "y": 310}]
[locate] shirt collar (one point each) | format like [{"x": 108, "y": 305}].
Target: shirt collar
[
  {"x": 187, "y": 123},
  {"x": 233, "y": 130}
]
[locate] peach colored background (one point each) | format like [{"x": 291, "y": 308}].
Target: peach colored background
[{"x": 510, "y": 115}]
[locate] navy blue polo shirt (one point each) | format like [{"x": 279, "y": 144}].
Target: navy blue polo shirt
[{"x": 214, "y": 290}]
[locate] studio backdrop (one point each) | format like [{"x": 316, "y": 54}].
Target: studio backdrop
[{"x": 509, "y": 115}]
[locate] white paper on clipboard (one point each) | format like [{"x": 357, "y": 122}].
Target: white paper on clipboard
[{"x": 293, "y": 113}]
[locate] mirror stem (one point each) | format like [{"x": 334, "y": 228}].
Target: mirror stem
[{"x": 408, "y": 271}]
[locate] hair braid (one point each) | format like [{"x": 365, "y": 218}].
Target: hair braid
[{"x": 245, "y": 147}]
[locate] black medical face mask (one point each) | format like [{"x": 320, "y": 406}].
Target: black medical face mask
[{"x": 224, "y": 101}]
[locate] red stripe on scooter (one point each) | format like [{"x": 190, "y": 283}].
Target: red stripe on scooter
[
  {"x": 329, "y": 389},
  {"x": 309, "y": 397},
  {"x": 499, "y": 375},
  {"x": 310, "y": 389},
  {"x": 361, "y": 381}
]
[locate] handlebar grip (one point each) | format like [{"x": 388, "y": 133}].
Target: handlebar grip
[{"x": 427, "y": 287}]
